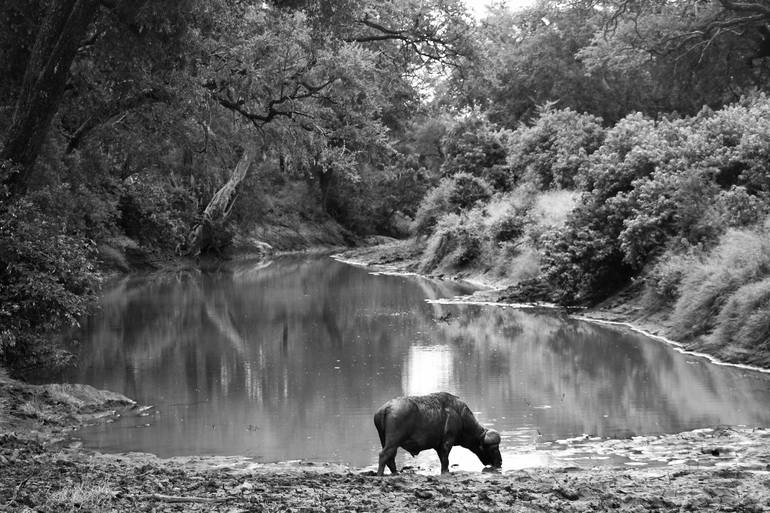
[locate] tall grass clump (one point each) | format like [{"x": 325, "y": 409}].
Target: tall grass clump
[
  {"x": 456, "y": 242},
  {"x": 663, "y": 281},
  {"x": 741, "y": 258},
  {"x": 743, "y": 324}
]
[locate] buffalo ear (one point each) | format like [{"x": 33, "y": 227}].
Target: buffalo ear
[{"x": 492, "y": 437}]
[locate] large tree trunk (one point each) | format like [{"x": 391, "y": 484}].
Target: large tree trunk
[
  {"x": 324, "y": 177},
  {"x": 61, "y": 31},
  {"x": 220, "y": 206}
]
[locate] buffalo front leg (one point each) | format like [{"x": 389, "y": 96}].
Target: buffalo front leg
[
  {"x": 387, "y": 457},
  {"x": 443, "y": 457}
]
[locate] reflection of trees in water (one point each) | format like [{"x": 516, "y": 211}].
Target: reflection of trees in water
[
  {"x": 268, "y": 339},
  {"x": 260, "y": 346},
  {"x": 520, "y": 359}
]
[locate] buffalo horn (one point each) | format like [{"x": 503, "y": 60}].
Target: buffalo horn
[{"x": 492, "y": 437}]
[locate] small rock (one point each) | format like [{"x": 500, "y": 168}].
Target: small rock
[{"x": 423, "y": 494}]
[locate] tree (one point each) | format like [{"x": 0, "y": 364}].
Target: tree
[
  {"x": 530, "y": 58},
  {"x": 64, "y": 26},
  {"x": 319, "y": 88},
  {"x": 694, "y": 52}
]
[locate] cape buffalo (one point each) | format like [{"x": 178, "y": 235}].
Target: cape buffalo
[{"x": 435, "y": 421}]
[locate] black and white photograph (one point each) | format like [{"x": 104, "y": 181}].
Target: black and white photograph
[{"x": 319, "y": 256}]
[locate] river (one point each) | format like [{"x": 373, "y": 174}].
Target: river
[{"x": 288, "y": 359}]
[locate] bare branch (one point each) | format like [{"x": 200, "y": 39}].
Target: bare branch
[{"x": 756, "y": 7}]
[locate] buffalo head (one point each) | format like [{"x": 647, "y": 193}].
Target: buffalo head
[{"x": 489, "y": 449}]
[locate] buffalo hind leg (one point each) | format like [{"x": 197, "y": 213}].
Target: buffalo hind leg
[{"x": 387, "y": 457}]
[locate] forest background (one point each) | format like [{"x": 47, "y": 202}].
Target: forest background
[{"x": 575, "y": 148}]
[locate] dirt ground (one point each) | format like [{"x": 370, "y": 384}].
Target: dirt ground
[{"x": 40, "y": 478}]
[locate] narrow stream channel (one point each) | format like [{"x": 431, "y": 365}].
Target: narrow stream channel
[{"x": 289, "y": 359}]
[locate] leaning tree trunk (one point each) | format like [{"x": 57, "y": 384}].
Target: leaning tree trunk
[
  {"x": 220, "y": 206},
  {"x": 61, "y": 31}
]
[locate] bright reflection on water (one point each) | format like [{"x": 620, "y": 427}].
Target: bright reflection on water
[{"x": 289, "y": 361}]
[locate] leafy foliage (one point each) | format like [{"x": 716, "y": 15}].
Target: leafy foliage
[
  {"x": 551, "y": 152},
  {"x": 450, "y": 196},
  {"x": 477, "y": 147},
  {"x": 47, "y": 278},
  {"x": 654, "y": 186},
  {"x": 455, "y": 242}
]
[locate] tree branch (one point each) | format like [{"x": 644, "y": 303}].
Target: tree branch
[
  {"x": 757, "y": 7},
  {"x": 110, "y": 110}
]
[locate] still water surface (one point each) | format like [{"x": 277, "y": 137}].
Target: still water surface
[{"x": 289, "y": 360}]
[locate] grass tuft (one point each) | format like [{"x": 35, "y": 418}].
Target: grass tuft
[
  {"x": 723, "y": 276},
  {"x": 82, "y": 497}
]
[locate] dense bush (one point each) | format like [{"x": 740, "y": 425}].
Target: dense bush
[
  {"x": 500, "y": 235},
  {"x": 47, "y": 280},
  {"x": 80, "y": 190},
  {"x": 668, "y": 205},
  {"x": 456, "y": 242},
  {"x": 712, "y": 183},
  {"x": 378, "y": 199},
  {"x": 582, "y": 263},
  {"x": 157, "y": 213},
  {"x": 479, "y": 148},
  {"x": 663, "y": 281},
  {"x": 451, "y": 196},
  {"x": 552, "y": 151},
  {"x": 657, "y": 186}
]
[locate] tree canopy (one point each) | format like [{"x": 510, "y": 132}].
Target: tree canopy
[{"x": 138, "y": 131}]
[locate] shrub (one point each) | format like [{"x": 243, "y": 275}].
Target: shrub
[
  {"x": 456, "y": 242},
  {"x": 90, "y": 212},
  {"x": 552, "y": 152},
  {"x": 664, "y": 279},
  {"x": 505, "y": 218},
  {"x": 553, "y": 208},
  {"x": 631, "y": 149},
  {"x": 156, "y": 213},
  {"x": 583, "y": 260},
  {"x": 477, "y": 147},
  {"x": 581, "y": 263},
  {"x": 46, "y": 279},
  {"x": 738, "y": 143},
  {"x": 450, "y": 196},
  {"x": 467, "y": 191},
  {"x": 661, "y": 185},
  {"x": 508, "y": 228},
  {"x": 737, "y": 207},
  {"x": 669, "y": 204}
]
